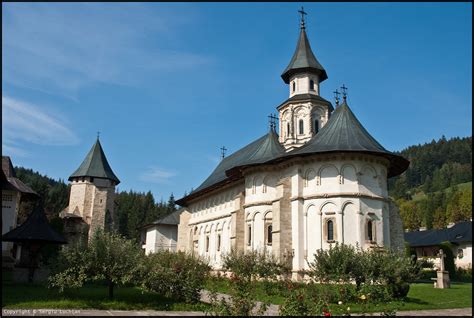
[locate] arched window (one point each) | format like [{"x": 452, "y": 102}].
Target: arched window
[
  {"x": 269, "y": 234},
  {"x": 301, "y": 126},
  {"x": 311, "y": 85},
  {"x": 249, "y": 237},
  {"x": 316, "y": 126},
  {"x": 207, "y": 244},
  {"x": 287, "y": 129},
  {"x": 330, "y": 230},
  {"x": 294, "y": 86},
  {"x": 218, "y": 242},
  {"x": 370, "y": 235}
]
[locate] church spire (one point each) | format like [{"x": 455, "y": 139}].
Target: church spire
[{"x": 303, "y": 60}]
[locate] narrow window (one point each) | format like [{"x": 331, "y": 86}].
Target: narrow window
[
  {"x": 316, "y": 126},
  {"x": 330, "y": 228},
  {"x": 269, "y": 234},
  {"x": 249, "y": 237},
  {"x": 311, "y": 85},
  {"x": 207, "y": 244},
  {"x": 301, "y": 126},
  {"x": 218, "y": 242},
  {"x": 92, "y": 179},
  {"x": 294, "y": 86},
  {"x": 287, "y": 129},
  {"x": 369, "y": 231}
]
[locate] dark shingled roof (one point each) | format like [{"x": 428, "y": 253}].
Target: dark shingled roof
[
  {"x": 170, "y": 219},
  {"x": 11, "y": 182},
  {"x": 36, "y": 228},
  {"x": 302, "y": 98},
  {"x": 260, "y": 151},
  {"x": 95, "y": 165},
  {"x": 303, "y": 60},
  {"x": 458, "y": 233},
  {"x": 344, "y": 133}
]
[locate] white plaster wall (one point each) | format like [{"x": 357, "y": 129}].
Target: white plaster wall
[
  {"x": 10, "y": 205},
  {"x": 150, "y": 240},
  {"x": 302, "y": 84},
  {"x": 466, "y": 260}
]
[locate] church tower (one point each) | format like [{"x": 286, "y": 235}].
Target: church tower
[
  {"x": 305, "y": 112},
  {"x": 92, "y": 195}
]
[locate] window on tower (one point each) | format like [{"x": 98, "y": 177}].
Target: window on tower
[
  {"x": 301, "y": 126},
  {"x": 330, "y": 230},
  {"x": 294, "y": 87},
  {"x": 287, "y": 129},
  {"x": 249, "y": 237},
  {"x": 207, "y": 244},
  {"x": 316, "y": 126},
  {"x": 311, "y": 85},
  {"x": 269, "y": 234},
  {"x": 370, "y": 235}
]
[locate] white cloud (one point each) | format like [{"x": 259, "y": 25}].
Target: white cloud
[
  {"x": 157, "y": 175},
  {"x": 62, "y": 48},
  {"x": 23, "y": 121}
]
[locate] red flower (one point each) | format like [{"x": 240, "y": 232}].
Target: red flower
[{"x": 327, "y": 314}]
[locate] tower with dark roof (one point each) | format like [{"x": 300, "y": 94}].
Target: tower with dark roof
[
  {"x": 305, "y": 111},
  {"x": 92, "y": 195}
]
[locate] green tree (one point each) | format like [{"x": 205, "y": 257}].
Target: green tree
[{"x": 108, "y": 257}]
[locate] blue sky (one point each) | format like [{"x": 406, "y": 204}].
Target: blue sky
[{"x": 168, "y": 84}]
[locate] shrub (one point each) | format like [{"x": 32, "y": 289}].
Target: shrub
[
  {"x": 175, "y": 274},
  {"x": 464, "y": 274},
  {"x": 108, "y": 257}
]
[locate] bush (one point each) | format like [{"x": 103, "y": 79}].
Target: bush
[
  {"x": 464, "y": 274},
  {"x": 175, "y": 274}
]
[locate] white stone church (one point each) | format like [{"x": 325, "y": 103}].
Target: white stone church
[{"x": 321, "y": 180}]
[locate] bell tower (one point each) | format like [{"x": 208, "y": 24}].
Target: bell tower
[
  {"x": 92, "y": 195},
  {"x": 305, "y": 111}
]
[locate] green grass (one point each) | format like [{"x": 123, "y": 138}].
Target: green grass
[
  {"x": 24, "y": 296},
  {"x": 420, "y": 297}
]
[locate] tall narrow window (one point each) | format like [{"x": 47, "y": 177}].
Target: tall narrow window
[
  {"x": 294, "y": 86},
  {"x": 330, "y": 228},
  {"x": 249, "y": 237},
  {"x": 207, "y": 244},
  {"x": 269, "y": 234},
  {"x": 301, "y": 126},
  {"x": 370, "y": 236},
  {"x": 288, "y": 129},
  {"x": 316, "y": 126},
  {"x": 218, "y": 242},
  {"x": 311, "y": 85}
]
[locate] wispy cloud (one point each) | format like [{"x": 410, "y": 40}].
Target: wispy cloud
[
  {"x": 62, "y": 48},
  {"x": 25, "y": 122},
  {"x": 157, "y": 175}
]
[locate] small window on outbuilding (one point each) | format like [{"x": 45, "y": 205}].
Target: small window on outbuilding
[{"x": 460, "y": 253}]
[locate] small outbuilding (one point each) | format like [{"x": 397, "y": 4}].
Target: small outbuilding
[{"x": 161, "y": 234}]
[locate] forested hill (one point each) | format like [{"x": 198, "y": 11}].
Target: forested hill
[
  {"x": 134, "y": 209},
  {"x": 436, "y": 188}
]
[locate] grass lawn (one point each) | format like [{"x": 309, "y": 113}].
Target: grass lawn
[
  {"x": 420, "y": 297},
  {"x": 24, "y": 296}
]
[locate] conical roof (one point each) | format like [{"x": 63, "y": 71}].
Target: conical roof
[
  {"x": 35, "y": 229},
  {"x": 344, "y": 133},
  {"x": 303, "y": 60},
  {"x": 263, "y": 149},
  {"x": 95, "y": 165}
]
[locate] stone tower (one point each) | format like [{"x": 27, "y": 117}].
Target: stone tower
[
  {"x": 305, "y": 112},
  {"x": 92, "y": 196}
]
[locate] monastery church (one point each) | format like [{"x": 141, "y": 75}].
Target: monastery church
[{"x": 321, "y": 180}]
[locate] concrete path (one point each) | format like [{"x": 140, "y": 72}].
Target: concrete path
[{"x": 467, "y": 312}]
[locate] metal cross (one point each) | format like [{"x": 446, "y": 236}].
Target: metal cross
[
  {"x": 336, "y": 96},
  {"x": 223, "y": 150},
  {"x": 344, "y": 91},
  {"x": 272, "y": 119},
  {"x": 303, "y": 13},
  {"x": 98, "y": 135}
]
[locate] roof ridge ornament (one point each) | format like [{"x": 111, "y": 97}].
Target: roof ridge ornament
[
  {"x": 303, "y": 13},
  {"x": 272, "y": 119},
  {"x": 223, "y": 150},
  {"x": 336, "y": 96},
  {"x": 344, "y": 93},
  {"x": 98, "y": 135}
]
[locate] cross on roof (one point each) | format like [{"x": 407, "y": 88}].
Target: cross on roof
[
  {"x": 336, "y": 96},
  {"x": 98, "y": 135},
  {"x": 272, "y": 119},
  {"x": 344, "y": 91},
  {"x": 303, "y": 13},
  {"x": 223, "y": 150}
]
